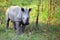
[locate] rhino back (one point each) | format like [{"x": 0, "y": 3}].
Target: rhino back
[{"x": 14, "y": 13}]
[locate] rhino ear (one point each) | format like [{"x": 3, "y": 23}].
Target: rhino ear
[
  {"x": 30, "y": 9},
  {"x": 22, "y": 9}
]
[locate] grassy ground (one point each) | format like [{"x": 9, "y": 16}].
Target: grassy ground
[{"x": 32, "y": 33}]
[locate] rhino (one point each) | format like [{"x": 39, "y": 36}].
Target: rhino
[{"x": 19, "y": 17}]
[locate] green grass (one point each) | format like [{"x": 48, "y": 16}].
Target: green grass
[{"x": 32, "y": 33}]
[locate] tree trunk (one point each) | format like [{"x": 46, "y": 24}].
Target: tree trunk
[{"x": 37, "y": 18}]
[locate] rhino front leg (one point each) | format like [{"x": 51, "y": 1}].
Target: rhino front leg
[
  {"x": 7, "y": 23},
  {"x": 23, "y": 28},
  {"x": 14, "y": 25},
  {"x": 19, "y": 31}
]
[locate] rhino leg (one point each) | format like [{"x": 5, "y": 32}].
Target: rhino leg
[
  {"x": 19, "y": 31},
  {"x": 23, "y": 28},
  {"x": 14, "y": 25},
  {"x": 7, "y": 23}
]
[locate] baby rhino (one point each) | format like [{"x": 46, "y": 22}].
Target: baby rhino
[{"x": 18, "y": 16}]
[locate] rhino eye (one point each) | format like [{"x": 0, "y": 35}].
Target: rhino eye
[{"x": 22, "y": 9}]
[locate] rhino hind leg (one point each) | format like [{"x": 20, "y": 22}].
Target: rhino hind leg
[{"x": 7, "y": 23}]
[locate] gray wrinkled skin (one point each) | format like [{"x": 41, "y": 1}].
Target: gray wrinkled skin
[{"x": 18, "y": 16}]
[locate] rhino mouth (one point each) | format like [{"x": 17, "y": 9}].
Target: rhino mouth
[{"x": 27, "y": 23}]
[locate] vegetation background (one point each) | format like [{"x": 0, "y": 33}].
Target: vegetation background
[{"x": 48, "y": 24}]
